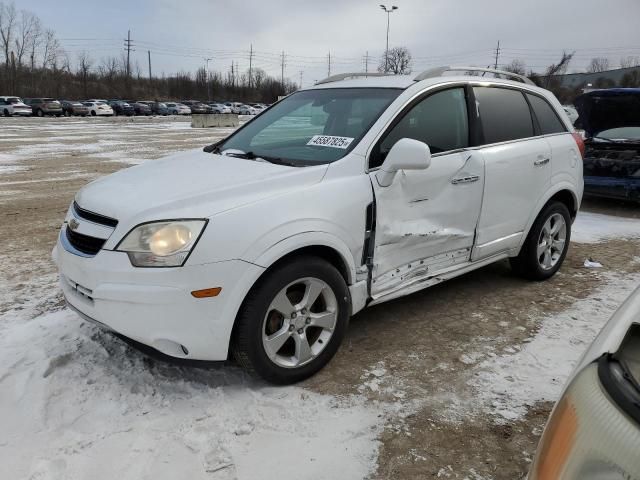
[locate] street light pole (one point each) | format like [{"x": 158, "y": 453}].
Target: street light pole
[
  {"x": 207, "y": 79},
  {"x": 388, "y": 11}
]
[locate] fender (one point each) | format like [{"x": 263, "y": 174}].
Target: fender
[
  {"x": 553, "y": 189},
  {"x": 308, "y": 239}
]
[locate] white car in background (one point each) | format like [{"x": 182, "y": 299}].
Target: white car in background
[
  {"x": 571, "y": 112},
  {"x": 350, "y": 193},
  {"x": 219, "y": 108},
  {"x": 249, "y": 110},
  {"x": 98, "y": 108},
  {"x": 593, "y": 431},
  {"x": 177, "y": 108},
  {"x": 10, "y": 106},
  {"x": 234, "y": 106}
]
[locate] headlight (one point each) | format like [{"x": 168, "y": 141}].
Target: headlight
[{"x": 161, "y": 244}]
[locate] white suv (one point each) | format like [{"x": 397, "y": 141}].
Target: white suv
[{"x": 353, "y": 192}]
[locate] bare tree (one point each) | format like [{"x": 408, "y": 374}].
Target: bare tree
[
  {"x": 516, "y": 66},
  {"x": 599, "y": 64},
  {"x": 50, "y": 50},
  {"x": 630, "y": 62},
  {"x": 8, "y": 18},
  {"x": 28, "y": 27},
  {"x": 84, "y": 68},
  {"x": 396, "y": 61}
]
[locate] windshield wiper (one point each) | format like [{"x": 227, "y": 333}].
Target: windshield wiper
[{"x": 252, "y": 156}]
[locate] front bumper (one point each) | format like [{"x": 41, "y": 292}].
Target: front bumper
[{"x": 154, "y": 306}]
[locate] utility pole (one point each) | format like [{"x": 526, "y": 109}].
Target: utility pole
[
  {"x": 127, "y": 47},
  {"x": 497, "y": 55},
  {"x": 282, "y": 70},
  {"x": 250, "y": 64},
  {"x": 386, "y": 51},
  {"x": 149, "y": 54},
  {"x": 207, "y": 77},
  {"x": 233, "y": 76},
  {"x": 301, "y": 72},
  {"x": 366, "y": 62},
  {"x": 329, "y": 64}
]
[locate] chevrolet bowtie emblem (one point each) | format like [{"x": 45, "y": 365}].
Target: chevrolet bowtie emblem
[{"x": 73, "y": 224}]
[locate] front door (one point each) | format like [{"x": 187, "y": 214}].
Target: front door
[{"x": 426, "y": 219}]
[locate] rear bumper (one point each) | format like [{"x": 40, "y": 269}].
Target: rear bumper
[{"x": 154, "y": 306}]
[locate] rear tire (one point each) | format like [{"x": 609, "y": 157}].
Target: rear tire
[
  {"x": 93, "y": 113},
  {"x": 546, "y": 246},
  {"x": 40, "y": 113},
  {"x": 284, "y": 348},
  {"x": 6, "y": 112}
]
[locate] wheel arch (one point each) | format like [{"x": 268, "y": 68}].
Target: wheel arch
[{"x": 563, "y": 192}]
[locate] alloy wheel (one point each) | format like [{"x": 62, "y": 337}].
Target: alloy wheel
[
  {"x": 552, "y": 241},
  {"x": 299, "y": 322}
]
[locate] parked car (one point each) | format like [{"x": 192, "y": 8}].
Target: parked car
[
  {"x": 593, "y": 431},
  {"x": 611, "y": 122},
  {"x": 249, "y": 110},
  {"x": 140, "y": 108},
  {"x": 571, "y": 112},
  {"x": 234, "y": 106},
  {"x": 158, "y": 108},
  {"x": 44, "y": 106},
  {"x": 98, "y": 109},
  {"x": 74, "y": 108},
  {"x": 10, "y": 106},
  {"x": 120, "y": 107},
  {"x": 195, "y": 106},
  {"x": 178, "y": 109},
  {"x": 378, "y": 188},
  {"x": 219, "y": 108}
]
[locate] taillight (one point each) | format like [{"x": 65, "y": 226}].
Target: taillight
[{"x": 580, "y": 142}]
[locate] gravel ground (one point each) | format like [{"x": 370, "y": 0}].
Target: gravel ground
[{"x": 452, "y": 382}]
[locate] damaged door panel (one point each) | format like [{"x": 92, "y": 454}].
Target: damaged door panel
[{"x": 426, "y": 220}]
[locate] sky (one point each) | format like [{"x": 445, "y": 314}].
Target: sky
[{"x": 181, "y": 34}]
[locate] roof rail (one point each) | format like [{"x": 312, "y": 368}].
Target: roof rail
[
  {"x": 439, "y": 71},
  {"x": 344, "y": 76}
]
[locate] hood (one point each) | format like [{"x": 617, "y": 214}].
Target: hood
[
  {"x": 191, "y": 184},
  {"x": 602, "y": 110}
]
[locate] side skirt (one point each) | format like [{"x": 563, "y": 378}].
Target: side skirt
[{"x": 430, "y": 280}]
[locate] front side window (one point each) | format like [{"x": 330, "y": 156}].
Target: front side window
[
  {"x": 548, "y": 121},
  {"x": 440, "y": 120},
  {"x": 311, "y": 127},
  {"x": 504, "y": 114}
]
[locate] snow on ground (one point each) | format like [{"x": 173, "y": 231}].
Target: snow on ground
[
  {"x": 78, "y": 403},
  {"x": 512, "y": 382},
  {"x": 595, "y": 227}
]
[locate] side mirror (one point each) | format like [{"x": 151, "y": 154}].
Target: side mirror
[{"x": 406, "y": 154}]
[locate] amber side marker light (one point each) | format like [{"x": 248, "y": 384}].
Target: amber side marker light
[{"x": 207, "y": 292}]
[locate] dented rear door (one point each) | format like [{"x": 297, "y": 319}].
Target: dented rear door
[{"x": 426, "y": 220}]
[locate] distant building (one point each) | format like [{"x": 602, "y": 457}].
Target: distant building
[{"x": 608, "y": 78}]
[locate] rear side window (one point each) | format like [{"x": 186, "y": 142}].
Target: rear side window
[
  {"x": 439, "y": 120},
  {"x": 548, "y": 121},
  {"x": 504, "y": 114}
]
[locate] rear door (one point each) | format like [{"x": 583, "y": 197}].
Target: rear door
[
  {"x": 426, "y": 219},
  {"x": 517, "y": 168}
]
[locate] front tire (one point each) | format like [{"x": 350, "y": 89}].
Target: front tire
[
  {"x": 547, "y": 244},
  {"x": 293, "y": 321}
]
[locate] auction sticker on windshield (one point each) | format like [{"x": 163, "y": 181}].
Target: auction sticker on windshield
[{"x": 330, "y": 141}]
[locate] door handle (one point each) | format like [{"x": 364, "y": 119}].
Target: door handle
[
  {"x": 541, "y": 161},
  {"x": 467, "y": 179}
]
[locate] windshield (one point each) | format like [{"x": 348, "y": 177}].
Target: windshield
[
  {"x": 14, "y": 100},
  {"x": 313, "y": 126}
]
